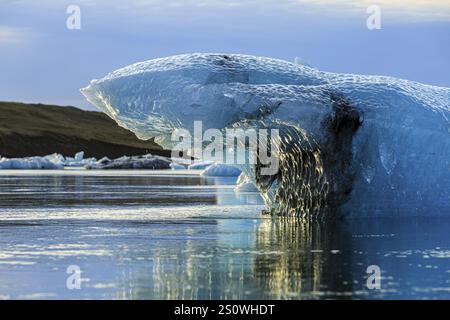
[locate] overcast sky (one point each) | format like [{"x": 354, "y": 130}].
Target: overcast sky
[{"x": 43, "y": 61}]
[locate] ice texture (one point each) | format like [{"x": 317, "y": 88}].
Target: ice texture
[
  {"x": 399, "y": 158},
  {"x": 200, "y": 165},
  {"x": 52, "y": 161},
  {"x": 79, "y": 156},
  {"x": 245, "y": 184},
  {"x": 221, "y": 170},
  {"x": 177, "y": 166},
  {"x": 29, "y": 163},
  {"x": 148, "y": 161}
]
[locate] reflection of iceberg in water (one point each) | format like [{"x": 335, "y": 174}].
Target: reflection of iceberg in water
[
  {"x": 308, "y": 259},
  {"x": 158, "y": 249},
  {"x": 252, "y": 259},
  {"x": 282, "y": 259},
  {"x": 181, "y": 268}
]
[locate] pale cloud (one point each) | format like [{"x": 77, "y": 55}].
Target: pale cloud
[
  {"x": 422, "y": 8},
  {"x": 398, "y": 10},
  {"x": 401, "y": 9},
  {"x": 415, "y": 10},
  {"x": 10, "y": 35}
]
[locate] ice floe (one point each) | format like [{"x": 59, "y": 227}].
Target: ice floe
[
  {"x": 245, "y": 184},
  {"x": 52, "y": 161},
  {"x": 221, "y": 170},
  {"x": 147, "y": 161}
]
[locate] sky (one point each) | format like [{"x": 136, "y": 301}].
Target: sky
[{"x": 41, "y": 60}]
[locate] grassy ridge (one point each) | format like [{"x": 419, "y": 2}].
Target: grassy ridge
[{"x": 37, "y": 130}]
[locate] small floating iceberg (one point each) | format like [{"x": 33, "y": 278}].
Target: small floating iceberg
[
  {"x": 177, "y": 166},
  {"x": 200, "y": 165},
  {"x": 147, "y": 161},
  {"x": 245, "y": 184},
  {"x": 221, "y": 170},
  {"x": 78, "y": 160},
  {"x": 29, "y": 163},
  {"x": 52, "y": 161}
]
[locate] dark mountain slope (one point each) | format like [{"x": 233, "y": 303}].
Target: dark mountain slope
[{"x": 37, "y": 130}]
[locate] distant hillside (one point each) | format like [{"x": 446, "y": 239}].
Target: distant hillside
[{"x": 37, "y": 130}]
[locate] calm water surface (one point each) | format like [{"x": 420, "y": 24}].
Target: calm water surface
[{"x": 175, "y": 235}]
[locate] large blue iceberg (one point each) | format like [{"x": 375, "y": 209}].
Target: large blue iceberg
[{"x": 351, "y": 144}]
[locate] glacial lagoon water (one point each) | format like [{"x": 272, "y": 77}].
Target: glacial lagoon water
[{"x": 176, "y": 235}]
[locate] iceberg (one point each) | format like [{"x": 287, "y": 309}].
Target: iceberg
[
  {"x": 147, "y": 161},
  {"x": 352, "y": 145},
  {"x": 244, "y": 184},
  {"x": 78, "y": 160},
  {"x": 200, "y": 165},
  {"x": 29, "y": 163},
  {"x": 79, "y": 156},
  {"x": 52, "y": 161},
  {"x": 221, "y": 170},
  {"x": 57, "y": 159},
  {"x": 177, "y": 166}
]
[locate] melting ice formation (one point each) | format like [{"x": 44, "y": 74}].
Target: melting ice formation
[
  {"x": 52, "y": 161},
  {"x": 147, "y": 162},
  {"x": 221, "y": 170},
  {"x": 350, "y": 144}
]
